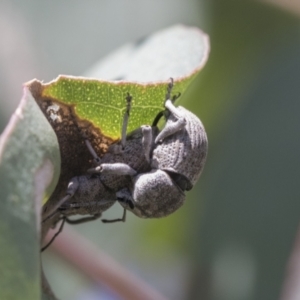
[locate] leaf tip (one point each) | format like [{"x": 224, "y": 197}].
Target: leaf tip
[{"x": 35, "y": 87}]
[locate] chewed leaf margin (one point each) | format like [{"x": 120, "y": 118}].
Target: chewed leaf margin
[{"x": 103, "y": 103}]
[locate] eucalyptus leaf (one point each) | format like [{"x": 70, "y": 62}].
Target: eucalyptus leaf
[
  {"x": 143, "y": 70},
  {"x": 177, "y": 51},
  {"x": 29, "y": 168}
]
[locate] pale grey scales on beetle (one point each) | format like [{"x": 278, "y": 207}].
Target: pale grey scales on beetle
[{"x": 177, "y": 163}]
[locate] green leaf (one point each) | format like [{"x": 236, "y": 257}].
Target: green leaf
[
  {"x": 178, "y": 52},
  {"x": 29, "y": 168}
]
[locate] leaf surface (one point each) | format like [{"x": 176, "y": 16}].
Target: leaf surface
[
  {"x": 143, "y": 70},
  {"x": 29, "y": 167}
]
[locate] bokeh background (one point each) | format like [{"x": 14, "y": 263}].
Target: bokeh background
[{"x": 233, "y": 238}]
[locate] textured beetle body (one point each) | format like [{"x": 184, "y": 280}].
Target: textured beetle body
[
  {"x": 132, "y": 155},
  {"x": 155, "y": 195},
  {"x": 88, "y": 196},
  {"x": 177, "y": 161},
  {"x": 183, "y": 152}
]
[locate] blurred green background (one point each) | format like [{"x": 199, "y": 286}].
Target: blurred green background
[{"x": 234, "y": 236}]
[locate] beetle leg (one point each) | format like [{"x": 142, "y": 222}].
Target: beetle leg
[
  {"x": 124, "y": 196},
  {"x": 169, "y": 88},
  {"x": 173, "y": 127},
  {"x": 55, "y": 235},
  {"x": 158, "y": 117},
  {"x": 90, "y": 148},
  {"x": 123, "y": 219},
  {"x": 72, "y": 187},
  {"x": 114, "y": 168},
  {"x": 125, "y": 120},
  {"x": 123, "y": 133},
  {"x": 169, "y": 91},
  {"x": 173, "y": 110},
  {"x": 83, "y": 219},
  {"x": 73, "y": 222},
  {"x": 147, "y": 141},
  {"x": 92, "y": 151}
]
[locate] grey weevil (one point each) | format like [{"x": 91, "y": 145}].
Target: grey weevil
[{"x": 177, "y": 156}]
